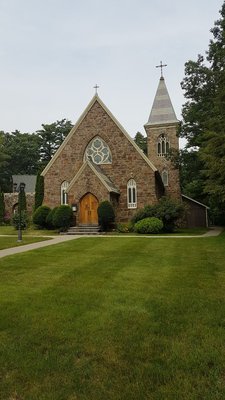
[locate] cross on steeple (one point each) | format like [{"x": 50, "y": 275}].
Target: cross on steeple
[
  {"x": 161, "y": 66},
  {"x": 96, "y": 87}
]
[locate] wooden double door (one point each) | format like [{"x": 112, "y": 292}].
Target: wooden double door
[{"x": 88, "y": 210}]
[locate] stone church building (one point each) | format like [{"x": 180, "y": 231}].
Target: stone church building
[{"x": 99, "y": 161}]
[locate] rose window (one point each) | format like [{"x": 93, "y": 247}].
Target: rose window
[{"x": 98, "y": 152}]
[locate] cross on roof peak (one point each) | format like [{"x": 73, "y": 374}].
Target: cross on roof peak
[
  {"x": 96, "y": 87},
  {"x": 161, "y": 66}
]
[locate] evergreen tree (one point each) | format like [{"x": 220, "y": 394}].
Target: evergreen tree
[
  {"x": 22, "y": 200},
  {"x": 51, "y": 137},
  {"x": 2, "y": 207},
  {"x": 4, "y": 161},
  {"x": 39, "y": 191},
  {"x": 141, "y": 141},
  {"x": 204, "y": 113}
]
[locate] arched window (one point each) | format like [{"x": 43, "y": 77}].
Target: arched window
[
  {"x": 131, "y": 194},
  {"x": 98, "y": 151},
  {"x": 163, "y": 145},
  {"x": 64, "y": 196},
  {"x": 165, "y": 178}
]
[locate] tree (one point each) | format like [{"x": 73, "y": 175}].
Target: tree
[
  {"x": 4, "y": 160},
  {"x": 141, "y": 141},
  {"x": 2, "y": 208},
  {"x": 191, "y": 172},
  {"x": 23, "y": 154},
  {"x": 22, "y": 206},
  {"x": 23, "y": 150},
  {"x": 51, "y": 137},
  {"x": 39, "y": 191},
  {"x": 203, "y": 114}
]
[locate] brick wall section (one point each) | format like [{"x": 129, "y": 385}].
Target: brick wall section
[
  {"x": 11, "y": 200},
  {"x": 127, "y": 163},
  {"x": 153, "y": 132}
]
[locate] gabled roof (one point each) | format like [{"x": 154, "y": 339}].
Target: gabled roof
[
  {"x": 75, "y": 127},
  {"x": 29, "y": 180},
  {"x": 162, "y": 111},
  {"x": 194, "y": 201},
  {"x": 109, "y": 185}
]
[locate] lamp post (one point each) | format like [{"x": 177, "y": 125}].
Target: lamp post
[{"x": 21, "y": 189}]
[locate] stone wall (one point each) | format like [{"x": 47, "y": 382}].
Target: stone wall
[
  {"x": 127, "y": 163},
  {"x": 11, "y": 202},
  {"x": 160, "y": 162}
]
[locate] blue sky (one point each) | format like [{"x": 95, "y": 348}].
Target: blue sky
[{"x": 54, "y": 51}]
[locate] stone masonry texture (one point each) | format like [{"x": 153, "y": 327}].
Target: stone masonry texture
[{"x": 127, "y": 163}]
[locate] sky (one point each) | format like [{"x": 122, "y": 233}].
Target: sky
[{"x": 53, "y": 52}]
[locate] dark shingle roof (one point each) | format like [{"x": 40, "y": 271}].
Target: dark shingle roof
[{"x": 29, "y": 180}]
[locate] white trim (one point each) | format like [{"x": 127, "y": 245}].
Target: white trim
[
  {"x": 63, "y": 189},
  {"x": 195, "y": 201},
  {"x": 73, "y": 130},
  {"x": 201, "y": 204},
  {"x": 131, "y": 184},
  {"x": 82, "y": 168}
]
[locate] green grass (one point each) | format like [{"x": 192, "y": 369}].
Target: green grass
[
  {"x": 177, "y": 232},
  {"x": 31, "y": 231},
  {"x": 7, "y": 241},
  {"x": 114, "y": 319}
]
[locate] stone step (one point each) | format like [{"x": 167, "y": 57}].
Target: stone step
[{"x": 83, "y": 230}]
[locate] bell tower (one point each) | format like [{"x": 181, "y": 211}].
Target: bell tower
[{"x": 161, "y": 130}]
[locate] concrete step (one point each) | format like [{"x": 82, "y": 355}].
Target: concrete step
[{"x": 83, "y": 230}]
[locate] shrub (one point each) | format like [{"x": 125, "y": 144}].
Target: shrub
[
  {"x": 21, "y": 220},
  {"x": 7, "y": 219},
  {"x": 62, "y": 217},
  {"x": 106, "y": 215},
  {"x": 124, "y": 227},
  {"x": 168, "y": 210},
  {"x": 49, "y": 218},
  {"x": 149, "y": 225},
  {"x": 147, "y": 211},
  {"x": 40, "y": 216}
]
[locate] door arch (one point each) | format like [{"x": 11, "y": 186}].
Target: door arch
[{"x": 88, "y": 210}]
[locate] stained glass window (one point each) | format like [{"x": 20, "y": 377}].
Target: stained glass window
[{"x": 98, "y": 152}]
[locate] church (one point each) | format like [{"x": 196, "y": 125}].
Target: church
[{"x": 99, "y": 161}]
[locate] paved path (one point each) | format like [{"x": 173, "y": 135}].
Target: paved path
[
  {"x": 37, "y": 245},
  {"x": 215, "y": 231}
]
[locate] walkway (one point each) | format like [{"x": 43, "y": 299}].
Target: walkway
[
  {"x": 37, "y": 245},
  {"x": 215, "y": 231}
]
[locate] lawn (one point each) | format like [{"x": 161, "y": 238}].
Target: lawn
[
  {"x": 31, "y": 231},
  {"x": 177, "y": 232},
  {"x": 114, "y": 319},
  {"x": 8, "y": 241}
]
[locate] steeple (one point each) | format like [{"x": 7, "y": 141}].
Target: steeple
[
  {"x": 161, "y": 130},
  {"x": 162, "y": 111}
]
